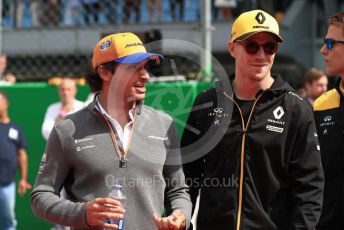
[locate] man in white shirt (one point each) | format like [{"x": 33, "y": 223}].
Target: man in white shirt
[{"x": 67, "y": 105}]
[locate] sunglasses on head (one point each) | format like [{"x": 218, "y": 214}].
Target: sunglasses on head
[
  {"x": 253, "y": 47},
  {"x": 329, "y": 42}
]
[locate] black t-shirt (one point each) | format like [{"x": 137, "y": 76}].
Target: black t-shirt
[
  {"x": 245, "y": 107},
  {"x": 11, "y": 139}
]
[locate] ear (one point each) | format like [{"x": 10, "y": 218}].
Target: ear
[
  {"x": 231, "y": 49},
  {"x": 104, "y": 73}
]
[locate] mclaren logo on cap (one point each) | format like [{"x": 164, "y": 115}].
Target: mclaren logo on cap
[
  {"x": 260, "y": 18},
  {"x": 133, "y": 44},
  {"x": 105, "y": 45}
]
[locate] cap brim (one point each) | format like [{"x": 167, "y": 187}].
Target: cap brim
[
  {"x": 139, "y": 57},
  {"x": 247, "y": 35}
]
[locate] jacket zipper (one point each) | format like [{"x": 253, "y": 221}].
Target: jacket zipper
[{"x": 242, "y": 157}]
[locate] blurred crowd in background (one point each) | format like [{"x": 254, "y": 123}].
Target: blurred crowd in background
[{"x": 61, "y": 13}]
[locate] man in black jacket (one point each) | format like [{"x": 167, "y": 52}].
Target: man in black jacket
[
  {"x": 251, "y": 149},
  {"x": 329, "y": 118}
]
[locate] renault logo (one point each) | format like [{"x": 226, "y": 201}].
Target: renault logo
[
  {"x": 278, "y": 112},
  {"x": 260, "y": 18}
]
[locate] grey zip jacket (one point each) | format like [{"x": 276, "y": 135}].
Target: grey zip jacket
[{"x": 81, "y": 157}]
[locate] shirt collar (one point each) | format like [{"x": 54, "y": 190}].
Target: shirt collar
[{"x": 102, "y": 110}]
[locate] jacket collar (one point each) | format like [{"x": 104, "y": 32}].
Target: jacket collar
[
  {"x": 339, "y": 87},
  {"x": 278, "y": 87},
  {"x": 92, "y": 106}
]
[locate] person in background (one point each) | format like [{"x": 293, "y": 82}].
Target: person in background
[
  {"x": 116, "y": 139},
  {"x": 110, "y": 11},
  {"x": 329, "y": 118},
  {"x": 12, "y": 155},
  {"x": 50, "y": 13},
  {"x": 34, "y": 5},
  {"x": 73, "y": 12},
  {"x": 262, "y": 167},
  {"x": 154, "y": 9},
  {"x": 35, "y": 11},
  {"x": 19, "y": 4},
  {"x": 130, "y": 6},
  {"x": 89, "y": 98},
  {"x": 68, "y": 104},
  {"x": 180, "y": 5},
  {"x": 91, "y": 11},
  {"x": 5, "y": 76},
  {"x": 315, "y": 84},
  {"x": 7, "y": 9},
  {"x": 226, "y": 8}
]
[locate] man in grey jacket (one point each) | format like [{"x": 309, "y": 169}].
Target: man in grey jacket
[{"x": 114, "y": 140}]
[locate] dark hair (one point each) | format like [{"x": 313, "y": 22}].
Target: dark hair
[
  {"x": 313, "y": 74},
  {"x": 92, "y": 77},
  {"x": 4, "y": 95}
]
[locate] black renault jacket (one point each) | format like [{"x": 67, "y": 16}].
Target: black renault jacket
[
  {"x": 329, "y": 118},
  {"x": 262, "y": 173}
]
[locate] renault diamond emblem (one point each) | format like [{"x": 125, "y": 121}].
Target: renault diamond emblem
[
  {"x": 278, "y": 112},
  {"x": 260, "y": 18}
]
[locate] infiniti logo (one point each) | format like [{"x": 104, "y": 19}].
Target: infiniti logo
[
  {"x": 327, "y": 118},
  {"x": 328, "y": 121},
  {"x": 218, "y": 110}
]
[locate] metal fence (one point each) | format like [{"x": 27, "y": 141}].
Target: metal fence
[
  {"x": 47, "y": 38},
  {"x": 64, "y": 13}
]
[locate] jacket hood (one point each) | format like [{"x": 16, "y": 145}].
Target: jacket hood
[
  {"x": 339, "y": 90},
  {"x": 278, "y": 87}
]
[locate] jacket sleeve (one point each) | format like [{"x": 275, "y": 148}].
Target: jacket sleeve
[
  {"x": 307, "y": 175},
  {"x": 193, "y": 169},
  {"x": 176, "y": 192},
  {"x": 46, "y": 201}
]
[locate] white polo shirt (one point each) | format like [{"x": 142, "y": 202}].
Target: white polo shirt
[{"x": 123, "y": 134}]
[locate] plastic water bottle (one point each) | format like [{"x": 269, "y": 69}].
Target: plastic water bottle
[{"x": 117, "y": 194}]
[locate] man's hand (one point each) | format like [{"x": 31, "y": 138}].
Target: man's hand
[
  {"x": 101, "y": 209},
  {"x": 176, "y": 221},
  {"x": 23, "y": 186}
]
